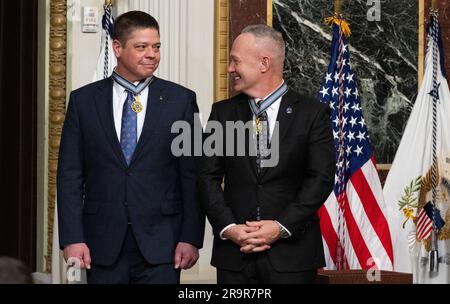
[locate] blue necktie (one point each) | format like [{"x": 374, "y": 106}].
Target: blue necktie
[
  {"x": 128, "y": 133},
  {"x": 262, "y": 140}
]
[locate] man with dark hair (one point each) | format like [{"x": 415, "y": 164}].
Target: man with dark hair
[
  {"x": 125, "y": 24},
  {"x": 264, "y": 220},
  {"x": 14, "y": 271},
  {"x": 128, "y": 209}
]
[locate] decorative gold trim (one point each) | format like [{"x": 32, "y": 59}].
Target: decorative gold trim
[
  {"x": 221, "y": 49},
  {"x": 422, "y": 42},
  {"x": 57, "y": 107},
  {"x": 269, "y": 12}
]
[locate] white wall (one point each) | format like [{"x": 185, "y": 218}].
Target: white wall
[
  {"x": 82, "y": 48},
  {"x": 187, "y": 36}
]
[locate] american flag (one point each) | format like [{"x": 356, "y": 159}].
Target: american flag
[
  {"x": 353, "y": 220},
  {"x": 424, "y": 223}
]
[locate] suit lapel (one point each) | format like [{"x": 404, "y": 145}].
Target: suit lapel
[
  {"x": 155, "y": 102},
  {"x": 286, "y": 114},
  {"x": 103, "y": 104}
]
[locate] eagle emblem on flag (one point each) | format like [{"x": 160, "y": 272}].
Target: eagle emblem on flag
[{"x": 416, "y": 206}]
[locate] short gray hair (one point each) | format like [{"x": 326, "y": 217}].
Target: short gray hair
[{"x": 267, "y": 32}]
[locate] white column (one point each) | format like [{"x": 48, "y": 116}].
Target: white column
[
  {"x": 120, "y": 6},
  {"x": 200, "y": 53}
]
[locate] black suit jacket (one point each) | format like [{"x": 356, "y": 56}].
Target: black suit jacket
[
  {"x": 98, "y": 193},
  {"x": 290, "y": 192}
]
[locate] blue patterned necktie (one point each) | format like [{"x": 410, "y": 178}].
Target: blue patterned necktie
[
  {"x": 259, "y": 107},
  {"x": 262, "y": 139},
  {"x": 128, "y": 133}
]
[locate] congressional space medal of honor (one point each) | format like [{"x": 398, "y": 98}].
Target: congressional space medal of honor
[
  {"x": 136, "y": 106},
  {"x": 258, "y": 125}
]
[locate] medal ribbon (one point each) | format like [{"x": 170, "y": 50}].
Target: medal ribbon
[{"x": 262, "y": 105}]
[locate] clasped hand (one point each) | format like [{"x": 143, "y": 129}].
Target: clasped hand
[{"x": 254, "y": 236}]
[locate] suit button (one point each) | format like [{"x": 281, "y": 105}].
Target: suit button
[
  {"x": 128, "y": 173},
  {"x": 125, "y": 203},
  {"x": 260, "y": 186}
]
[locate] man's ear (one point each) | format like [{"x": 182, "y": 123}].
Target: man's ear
[
  {"x": 265, "y": 64},
  {"x": 117, "y": 47}
]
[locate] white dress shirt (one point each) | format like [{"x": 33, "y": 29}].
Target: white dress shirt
[{"x": 119, "y": 98}]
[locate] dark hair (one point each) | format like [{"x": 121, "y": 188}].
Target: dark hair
[
  {"x": 14, "y": 271},
  {"x": 126, "y": 23}
]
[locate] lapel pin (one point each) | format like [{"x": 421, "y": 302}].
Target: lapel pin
[
  {"x": 161, "y": 98},
  {"x": 289, "y": 110}
]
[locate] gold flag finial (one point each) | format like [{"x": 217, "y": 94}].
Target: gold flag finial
[
  {"x": 108, "y": 2},
  {"x": 434, "y": 4},
  {"x": 338, "y": 19},
  {"x": 338, "y": 7}
]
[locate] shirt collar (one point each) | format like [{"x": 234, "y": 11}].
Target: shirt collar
[{"x": 120, "y": 90}]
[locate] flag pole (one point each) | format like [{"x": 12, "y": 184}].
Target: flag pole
[
  {"x": 106, "y": 57},
  {"x": 337, "y": 7},
  {"x": 434, "y": 253},
  {"x": 434, "y": 4},
  {"x": 341, "y": 263}
]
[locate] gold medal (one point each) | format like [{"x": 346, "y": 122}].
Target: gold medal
[
  {"x": 258, "y": 125},
  {"x": 136, "y": 106}
]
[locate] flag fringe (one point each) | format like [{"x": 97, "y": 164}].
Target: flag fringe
[{"x": 340, "y": 22}]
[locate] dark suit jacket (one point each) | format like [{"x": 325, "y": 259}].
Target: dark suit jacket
[
  {"x": 98, "y": 193},
  {"x": 290, "y": 192}
]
